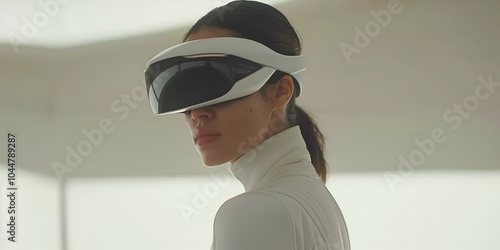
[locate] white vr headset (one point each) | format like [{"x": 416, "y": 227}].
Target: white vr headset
[{"x": 210, "y": 71}]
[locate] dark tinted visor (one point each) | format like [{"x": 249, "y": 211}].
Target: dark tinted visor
[{"x": 179, "y": 82}]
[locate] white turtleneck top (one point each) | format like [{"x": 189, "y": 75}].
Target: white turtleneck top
[{"x": 285, "y": 206}]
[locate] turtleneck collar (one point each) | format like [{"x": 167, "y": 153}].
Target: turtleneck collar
[{"x": 273, "y": 158}]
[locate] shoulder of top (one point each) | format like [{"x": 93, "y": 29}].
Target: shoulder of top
[
  {"x": 252, "y": 204},
  {"x": 254, "y": 221}
]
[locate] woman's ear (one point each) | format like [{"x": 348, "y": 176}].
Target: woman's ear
[{"x": 280, "y": 92}]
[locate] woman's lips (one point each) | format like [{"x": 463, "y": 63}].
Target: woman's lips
[{"x": 206, "y": 139}]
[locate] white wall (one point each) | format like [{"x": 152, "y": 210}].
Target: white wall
[{"x": 430, "y": 210}]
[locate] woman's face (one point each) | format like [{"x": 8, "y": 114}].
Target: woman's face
[{"x": 225, "y": 131}]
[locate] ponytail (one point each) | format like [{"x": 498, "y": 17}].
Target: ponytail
[{"x": 314, "y": 139}]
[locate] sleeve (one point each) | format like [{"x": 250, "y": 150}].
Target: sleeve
[{"x": 253, "y": 221}]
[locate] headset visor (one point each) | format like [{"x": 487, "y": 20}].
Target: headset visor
[{"x": 179, "y": 82}]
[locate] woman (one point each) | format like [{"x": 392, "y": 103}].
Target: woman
[{"x": 235, "y": 77}]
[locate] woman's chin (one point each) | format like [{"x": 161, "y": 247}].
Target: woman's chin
[{"x": 213, "y": 161}]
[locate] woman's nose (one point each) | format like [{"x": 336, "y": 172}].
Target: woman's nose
[{"x": 202, "y": 113}]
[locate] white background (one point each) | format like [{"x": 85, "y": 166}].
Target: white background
[{"x": 85, "y": 66}]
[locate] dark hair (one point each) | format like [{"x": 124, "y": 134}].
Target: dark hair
[{"x": 266, "y": 25}]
